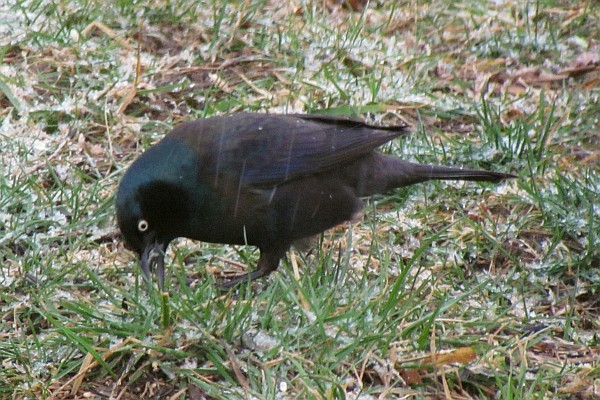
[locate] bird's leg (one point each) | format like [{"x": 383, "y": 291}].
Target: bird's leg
[{"x": 267, "y": 263}]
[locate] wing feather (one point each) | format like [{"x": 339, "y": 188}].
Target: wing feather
[{"x": 265, "y": 149}]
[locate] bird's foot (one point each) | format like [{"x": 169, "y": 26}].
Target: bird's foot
[{"x": 239, "y": 280}]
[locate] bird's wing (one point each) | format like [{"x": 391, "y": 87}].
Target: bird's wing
[
  {"x": 263, "y": 149},
  {"x": 274, "y": 149}
]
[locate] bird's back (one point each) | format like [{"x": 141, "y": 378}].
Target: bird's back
[{"x": 267, "y": 149}]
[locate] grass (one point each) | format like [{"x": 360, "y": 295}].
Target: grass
[{"x": 442, "y": 290}]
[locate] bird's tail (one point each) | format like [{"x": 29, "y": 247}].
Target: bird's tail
[
  {"x": 390, "y": 172},
  {"x": 422, "y": 172}
]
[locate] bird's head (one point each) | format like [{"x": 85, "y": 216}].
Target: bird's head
[
  {"x": 147, "y": 218},
  {"x": 154, "y": 204}
]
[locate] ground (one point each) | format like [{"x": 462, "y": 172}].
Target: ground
[{"x": 439, "y": 291}]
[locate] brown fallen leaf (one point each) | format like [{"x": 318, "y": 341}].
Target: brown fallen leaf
[
  {"x": 462, "y": 355},
  {"x": 411, "y": 376}
]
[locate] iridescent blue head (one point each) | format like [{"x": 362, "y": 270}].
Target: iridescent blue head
[{"x": 154, "y": 200}]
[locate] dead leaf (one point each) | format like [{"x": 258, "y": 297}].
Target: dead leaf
[
  {"x": 412, "y": 376},
  {"x": 462, "y": 355}
]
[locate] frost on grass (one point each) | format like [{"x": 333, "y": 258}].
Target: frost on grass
[{"x": 73, "y": 128}]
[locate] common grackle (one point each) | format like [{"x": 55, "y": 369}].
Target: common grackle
[{"x": 263, "y": 180}]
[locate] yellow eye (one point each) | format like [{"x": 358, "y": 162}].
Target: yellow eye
[{"x": 142, "y": 225}]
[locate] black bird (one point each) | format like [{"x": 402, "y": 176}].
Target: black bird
[{"x": 263, "y": 180}]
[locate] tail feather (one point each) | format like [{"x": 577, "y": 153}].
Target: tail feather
[
  {"x": 435, "y": 172},
  {"x": 382, "y": 173},
  {"x": 386, "y": 173}
]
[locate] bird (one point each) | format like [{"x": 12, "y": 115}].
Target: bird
[{"x": 266, "y": 180}]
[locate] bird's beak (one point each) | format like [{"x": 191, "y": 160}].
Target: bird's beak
[{"x": 152, "y": 260}]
